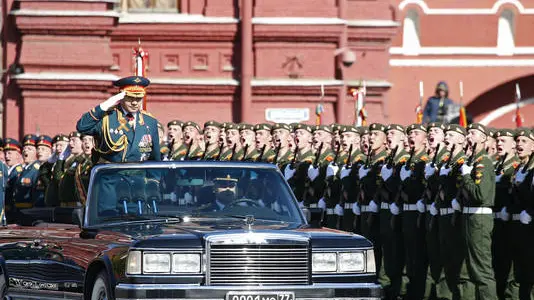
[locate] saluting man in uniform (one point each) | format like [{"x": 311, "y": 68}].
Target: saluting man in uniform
[{"x": 123, "y": 131}]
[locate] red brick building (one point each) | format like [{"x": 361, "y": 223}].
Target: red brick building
[{"x": 252, "y": 60}]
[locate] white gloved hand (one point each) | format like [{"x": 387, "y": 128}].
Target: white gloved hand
[
  {"x": 429, "y": 170},
  {"x": 338, "y": 210},
  {"x": 456, "y": 204},
  {"x": 344, "y": 172},
  {"x": 289, "y": 172},
  {"x": 188, "y": 198},
  {"x": 66, "y": 153},
  {"x": 505, "y": 216},
  {"x": 356, "y": 209},
  {"x": 498, "y": 178},
  {"x": 405, "y": 173},
  {"x": 363, "y": 171},
  {"x": 313, "y": 172},
  {"x": 520, "y": 176},
  {"x": 112, "y": 101},
  {"x": 331, "y": 170},
  {"x": 386, "y": 172},
  {"x": 466, "y": 170},
  {"x": 433, "y": 210},
  {"x": 373, "y": 207},
  {"x": 321, "y": 203},
  {"x": 525, "y": 218},
  {"x": 421, "y": 207},
  {"x": 301, "y": 204},
  {"x": 394, "y": 209},
  {"x": 444, "y": 171}
]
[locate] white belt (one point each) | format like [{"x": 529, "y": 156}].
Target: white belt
[
  {"x": 329, "y": 211},
  {"x": 477, "y": 210},
  {"x": 348, "y": 205},
  {"x": 409, "y": 207},
  {"x": 384, "y": 205},
  {"x": 516, "y": 217},
  {"x": 428, "y": 206},
  {"x": 366, "y": 208},
  {"x": 313, "y": 205},
  {"x": 446, "y": 211}
]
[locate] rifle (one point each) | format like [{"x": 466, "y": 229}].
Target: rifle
[
  {"x": 233, "y": 151},
  {"x": 318, "y": 155},
  {"x": 368, "y": 159},
  {"x": 391, "y": 157},
  {"x": 460, "y": 189},
  {"x": 276, "y": 153},
  {"x": 206, "y": 150},
  {"x": 448, "y": 164},
  {"x": 245, "y": 153},
  {"x": 500, "y": 167},
  {"x": 186, "y": 157},
  {"x": 338, "y": 148},
  {"x": 262, "y": 152},
  {"x": 440, "y": 188},
  {"x": 349, "y": 164},
  {"x": 219, "y": 152},
  {"x": 427, "y": 194},
  {"x": 294, "y": 160},
  {"x": 435, "y": 158},
  {"x": 400, "y": 191}
]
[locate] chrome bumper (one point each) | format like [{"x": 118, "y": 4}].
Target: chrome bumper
[{"x": 338, "y": 291}]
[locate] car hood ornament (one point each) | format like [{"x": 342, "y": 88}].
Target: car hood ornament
[{"x": 249, "y": 221}]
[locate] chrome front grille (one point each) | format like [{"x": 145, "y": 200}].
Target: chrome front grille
[{"x": 249, "y": 264}]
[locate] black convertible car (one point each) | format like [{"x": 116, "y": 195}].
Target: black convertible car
[{"x": 184, "y": 230}]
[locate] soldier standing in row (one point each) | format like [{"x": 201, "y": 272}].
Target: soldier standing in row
[
  {"x": 175, "y": 136},
  {"x": 248, "y": 142},
  {"x": 297, "y": 175},
  {"x": 233, "y": 141},
  {"x": 281, "y": 141},
  {"x": 212, "y": 130},
  {"x": 263, "y": 141},
  {"x": 25, "y": 194},
  {"x": 83, "y": 169},
  {"x": 194, "y": 141},
  {"x": 13, "y": 153},
  {"x": 67, "y": 187}
]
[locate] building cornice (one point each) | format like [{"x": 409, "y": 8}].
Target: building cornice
[
  {"x": 63, "y": 13},
  {"x": 467, "y": 11}
]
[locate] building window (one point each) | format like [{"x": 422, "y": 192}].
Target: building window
[
  {"x": 410, "y": 34},
  {"x": 149, "y": 6},
  {"x": 506, "y": 33}
]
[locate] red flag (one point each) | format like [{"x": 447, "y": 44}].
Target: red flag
[
  {"x": 419, "y": 112},
  {"x": 463, "y": 117},
  {"x": 518, "y": 118}
]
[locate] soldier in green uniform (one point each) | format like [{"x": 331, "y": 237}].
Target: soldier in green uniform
[
  {"x": 436, "y": 283},
  {"x": 390, "y": 276},
  {"x": 66, "y": 185},
  {"x": 522, "y": 211},
  {"x": 83, "y": 169},
  {"x": 14, "y": 162},
  {"x": 297, "y": 175},
  {"x": 25, "y": 187},
  {"x": 163, "y": 146},
  {"x": 248, "y": 142},
  {"x": 478, "y": 190},
  {"x": 491, "y": 144},
  {"x": 350, "y": 142},
  {"x": 506, "y": 165},
  {"x": 370, "y": 181},
  {"x": 315, "y": 195},
  {"x": 264, "y": 141},
  {"x": 51, "y": 171},
  {"x": 233, "y": 141},
  {"x": 212, "y": 130},
  {"x": 222, "y": 137},
  {"x": 281, "y": 134},
  {"x": 175, "y": 139},
  {"x": 193, "y": 139}
]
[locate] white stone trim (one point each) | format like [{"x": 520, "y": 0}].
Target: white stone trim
[
  {"x": 63, "y": 13},
  {"x": 429, "y": 62},
  {"x": 66, "y": 76},
  {"x": 195, "y": 81},
  {"x": 297, "y": 21},
  {"x": 372, "y": 23},
  {"x": 296, "y": 82},
  {"x": 503, "y": 110},
  {"x": 460, "y": 51},
  {"x": 467, "y": 11},
  {"x": 377, "y": 83},
  {"x": 175, "y": 18}
]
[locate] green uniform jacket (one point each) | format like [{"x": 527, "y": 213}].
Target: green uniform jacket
[
  {"x": 350, "y": 184},
  {"x": 414, "y": 186},
  {"x": 390, "y": 187},
  {"x": 67, "y": 183},
  {"x": 480, "y": 184},
  {"x": 503, "y": 187},
  {"x": 299, "y": 180},
  {"x": 432, "y": 183},
  {"x": 370, "y": 183},
  {"x": 448, "y": 184},
  {"x": 179, "y": 153}
]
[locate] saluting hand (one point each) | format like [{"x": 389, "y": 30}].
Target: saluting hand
[{"x": 112, "y": 101}]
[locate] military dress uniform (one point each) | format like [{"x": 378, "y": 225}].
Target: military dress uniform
[
  {"x": 82, "y": 176},
  {"x": 181, "y": 151},
  {"x": 299, "y": 181},
  {"x": 507, "y": 287},
  {"x": 50, "y": 174},
  {"x": 13, "y": 174},
  {"x": 268, "y": 154},
  {"x": 215, "y": 152},
  {"x": 67, "y": 185},
  {"x": 121, "y": 136},
  {"x": 25, "y": 195},
  {"x": 4, "y": 170},
  {"x": 282, "y": 156}
]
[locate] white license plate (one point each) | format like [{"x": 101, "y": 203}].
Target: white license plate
[{"x": 259, "y": 295}]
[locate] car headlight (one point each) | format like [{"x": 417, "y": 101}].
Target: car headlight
[
  {"x": 371, "y": 266},
  {"x": 324, "y": 262},
  {"x": 156, "y": 262},
  {"x": 134, "y": 262},
  {"x": 351, "y": 262},
  {"x": 186, "y": 263}
]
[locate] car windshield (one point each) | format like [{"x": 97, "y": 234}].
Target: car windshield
[{"x": 163, "y": 192}]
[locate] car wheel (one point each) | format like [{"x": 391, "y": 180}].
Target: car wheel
[{"x": 100, "y": 288}]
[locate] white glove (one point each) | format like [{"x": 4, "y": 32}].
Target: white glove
[
  {"x": 373, "y": 206},
  {"x": 301, "y": 204},
  {"x": 444, "y": 171},
  {"x": 421, "y": 207},
  {"x": 65, "y": 153},
  {"x": 394, "y": 209},
  {"x": 498, "y": 178},
  {"x": 112, "y": 101},
  {"x": 363, "y": 171},
  {"x": 338, "y": 210},
  {"x": 405, "y": 173},
  {"x": 456, "y": 204},
  {"x": 288, "y": 172},
  {"x": 433, "y": 210},
  {"x": 344, "y": 172},
  {"x": 188, "y": 198},
  {"x": 505, "y": 216},
  {"x": 386, "y": 172},
  {"x": 520, "y": 176},
  {"x": 331, "y": 170},
  {"x": 356, "y": 209},
  {"x": 313, "y": 172},
  {"x": 466, "y": 170},
  {"x": 321, "y": 203},
  {"x": 525, "y": 218},
  {"x": 429, "y": 170}
]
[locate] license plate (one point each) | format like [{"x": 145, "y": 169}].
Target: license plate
[{"x": 260, "y": 295}]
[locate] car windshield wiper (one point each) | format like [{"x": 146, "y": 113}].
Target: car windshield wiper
[{"x": 137, "y": 218}]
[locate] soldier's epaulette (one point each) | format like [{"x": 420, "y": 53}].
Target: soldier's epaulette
[
  {"x": 403, "y": 159},
  {"x": 480, "y": 158},
  {"x": 515, "y": 164},
  {"x": 381, "y": 159},
  {"x": 36, "y": 166},
  {"x": 424, "y": 158},
  {"x": 445, "y": 158},
  {"x": 359, "y": 157},
  {"x": 144, "y": 112},
  {"x": 18, "y": 168},
  {"x": 460, "y": 161},
  {"x": 329, "y": 158}
]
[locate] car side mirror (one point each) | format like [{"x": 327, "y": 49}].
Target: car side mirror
[
  {"x": 77, "y": 216},
  {"x": 314, "y": 216}
]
